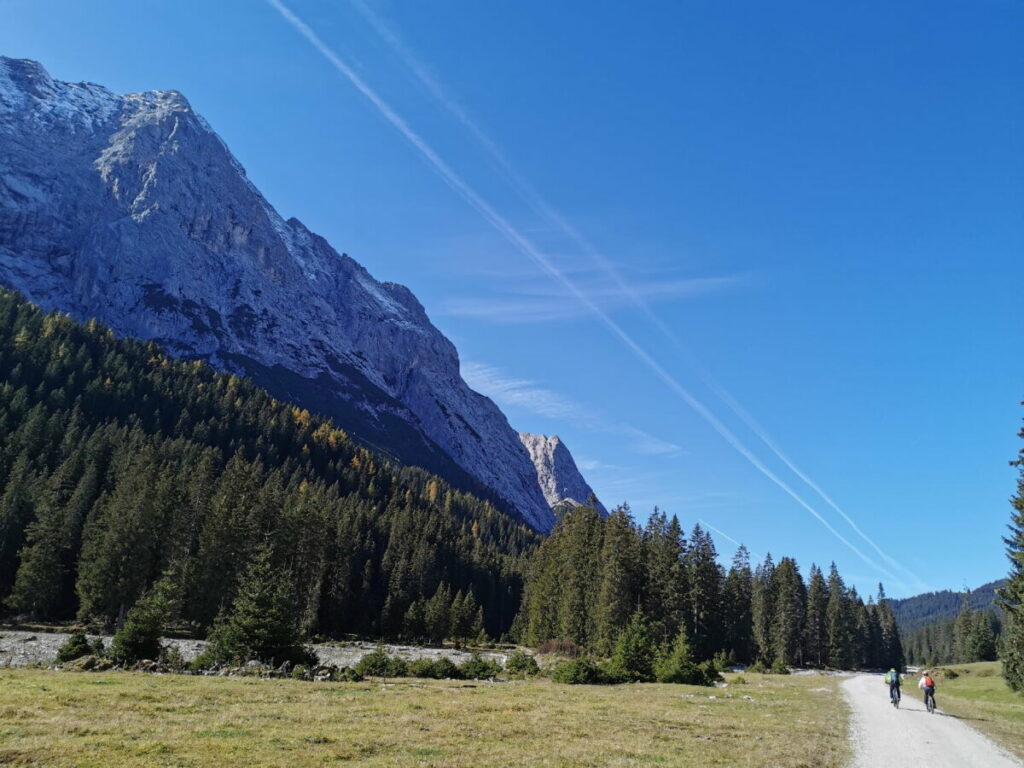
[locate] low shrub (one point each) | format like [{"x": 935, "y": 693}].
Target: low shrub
[
  {"x": 778, "y": 668},
  {"x": 445, "y": 669},
  {"x": 301, "y": 672},
  {"x": 378, "y": 664},
  {"x": 479, "y": 668},
  {"x": 347, "y": 675},
  {"x": 171, "y": 656},
  {"x": 557, "y": 647},
  {"x": 75, "y": 647},
  {"x": 711, "y": 673},
  {"x": 421, "y": 668},
  {"x": 580, "y": 671},
  {"x": 521, "y": 664}
]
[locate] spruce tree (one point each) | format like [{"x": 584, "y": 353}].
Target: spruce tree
[
  {"x": 788, "y": 606},
  {"x": 633, "y": 658},
  {"x": 704, "y": 577},
  {"x": 139, "y": 636},
  {"x": 664, "y": 594},
  {"x": 840, "y": 623},
  {"x": 737, "y": 594},
  {"x": 261, "y": 624},
  {"x": 619, "y": 590},
  {"x": 815, "y": 631},
  {"x": 1011, "y": 596},
  {"x": 763, "y": 610}
]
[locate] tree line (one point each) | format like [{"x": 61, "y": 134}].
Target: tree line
[
  {"x": 125, "y": 473},
  {"x": 592, "y": 576},
  {"x": 972, "y": 635},
  {"x": 120, "y": 466}
]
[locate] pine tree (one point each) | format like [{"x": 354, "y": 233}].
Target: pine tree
[
  {"x": 139, "y": 637},
  {"x": 762, "y": 610},
  {"x": 788, "y": 606},
  {"x": 963, "y": 633},
  {"x": 633, "y": 658},
  {"x": 737, "y": 595},
  {"x": 1011, "y": 596},
  {"x": 619, "y": 590},
  {"x": 261, "y": 624},
  {"x": 678, "y": 666},
  {"x": 665, "y": 589},
  {"x": 580, "y": 549},
  {"x": 839, "y": 623},
  {"x": 704, "y": 577},
  {"x": 815, "y": 630},
  {"x": 437, "y": 614}
]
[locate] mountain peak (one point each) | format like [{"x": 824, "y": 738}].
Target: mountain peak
[
  {"x": 559, "y": 477},
  {"x": 132, "y": 210}
]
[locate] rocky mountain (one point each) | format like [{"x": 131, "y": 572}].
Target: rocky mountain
[
  {"x": 559, "y": 478},
  {"x": 132, "y": 210}
]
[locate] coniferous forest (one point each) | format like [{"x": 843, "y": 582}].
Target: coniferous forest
[
  {"x": 119, "y": 465},
  {"x": 121, "y": 468}
]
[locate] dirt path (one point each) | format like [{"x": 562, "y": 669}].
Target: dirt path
[{"x": 937, "y": 741}]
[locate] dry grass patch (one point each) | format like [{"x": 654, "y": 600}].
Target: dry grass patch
[
  {"x": 125, "y": 719},
  {"x": 980, "y": 695}
]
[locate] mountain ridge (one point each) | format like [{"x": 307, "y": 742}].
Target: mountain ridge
[{"x": 131, "y": 209}]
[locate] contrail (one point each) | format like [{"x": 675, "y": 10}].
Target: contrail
[
  {"x": 525, "y": 246},
  {"x": 727, "y": 537},
  {"x": 542, "y": 208}
]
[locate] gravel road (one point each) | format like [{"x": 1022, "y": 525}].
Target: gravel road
[{"x": 937, "y": 741}]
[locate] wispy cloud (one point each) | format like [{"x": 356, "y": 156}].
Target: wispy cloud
[
  {"x": 509, "y": 391},
  {"x": 527, "y": 301}
]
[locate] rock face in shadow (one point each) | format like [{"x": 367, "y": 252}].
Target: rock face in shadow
[
  {"x": 130, "y": 209},
  {"x": 559, "y": 478}
]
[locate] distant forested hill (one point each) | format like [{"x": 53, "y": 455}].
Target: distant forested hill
[
  {"x": 913, "y": 613},
  {"x": 119, "y": 465}
]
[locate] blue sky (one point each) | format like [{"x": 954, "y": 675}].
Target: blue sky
[{"x": 757, "y": 263}]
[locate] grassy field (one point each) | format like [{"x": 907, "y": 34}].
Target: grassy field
[
  {"x": 980, "y": 696},
  {"x": 131, "y": 719}
]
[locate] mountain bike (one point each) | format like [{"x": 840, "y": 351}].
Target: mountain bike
[
  {"x": 894, "y": 694},
  {"x": 929, "y": 701}
]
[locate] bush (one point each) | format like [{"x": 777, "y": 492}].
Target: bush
[
  {"x": 778, "y": 668},
  {"x": 171, "y": 656},
  {"x": 75, "y": 647},
  {"x": 202, "y": 662},
  {"x": 347, "y": 675},
  {"x": 521, "y": 664},
  {"x": 580, "y": 672},
  {"x": 757, "y": 668},
  {"x": 678, "y": 666},
  {"x": 478, "y": 668},
  {"x": 710, "y": 672},
  {"x": 740, "y": 680},
  {"x": 261, "y": 624},
  {"x": 301, "y": 672},
  {"x": 556, "y": 647},
  {"x": 379, "y": 664},
  {"x": 421, "y": 668},
  {"x": 445, "y": 669},
  {"x": 633, "y": 660},
  {"x": 139, "y": 636}
]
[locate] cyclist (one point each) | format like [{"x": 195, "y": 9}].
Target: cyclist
[
  {"x": 892, "y": 679},
  {"x": 927, "y": 684}
]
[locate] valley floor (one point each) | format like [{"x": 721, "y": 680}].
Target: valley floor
[{"x": 50, "y": 718}]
